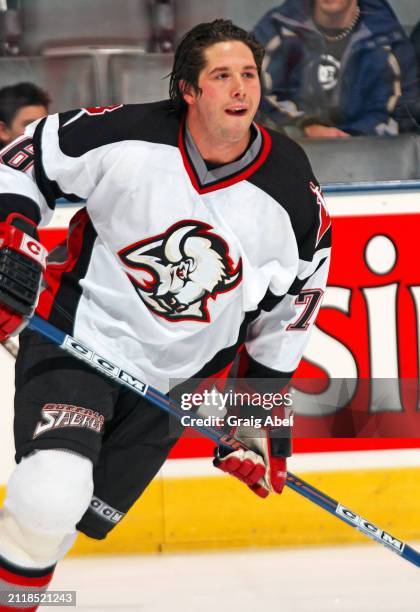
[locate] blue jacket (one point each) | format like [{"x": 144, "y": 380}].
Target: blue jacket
[{"x": 378, "y": 66}]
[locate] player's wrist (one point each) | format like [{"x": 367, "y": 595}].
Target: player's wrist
[
  {"x": 11, "y": 324},
  {"x": 24, "y": 224},
  {"x": 280, "y": 442}
]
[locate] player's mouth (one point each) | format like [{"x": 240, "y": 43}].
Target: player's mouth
[{"x": 237, "y": 111}]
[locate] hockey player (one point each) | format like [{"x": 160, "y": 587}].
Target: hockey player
[{"x": 202, "y": 234}]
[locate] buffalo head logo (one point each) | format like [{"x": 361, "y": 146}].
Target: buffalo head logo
[{"x": 175, "y": 273}]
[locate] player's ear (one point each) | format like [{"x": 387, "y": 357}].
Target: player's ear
[
  {"x": 187, "y": 91},
  {"x": 4, "y": 134}
]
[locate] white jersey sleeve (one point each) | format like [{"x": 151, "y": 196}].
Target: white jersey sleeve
[
  {"x": 57, "y": 157},
  {"x": 277, "y": 338}
]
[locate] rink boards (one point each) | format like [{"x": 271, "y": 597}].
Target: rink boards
[{"x": 369, "y": 326}]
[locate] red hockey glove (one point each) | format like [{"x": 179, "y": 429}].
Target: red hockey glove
[
  {"x": 263, "y": 467},
  {"x": 22, "y": 261}
]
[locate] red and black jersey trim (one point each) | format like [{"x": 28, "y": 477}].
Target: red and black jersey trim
[
  {"x": 24, "y": 576},
  {"x": 325, "y": 241},
  {"x": 44, "y": 574},
  {"x": 15, "y": 203},
  {"x": 243, "y": 173},
  {"x": 59, "y": 301},
  {"x": 15, "y": 579},
  {"x": 226, "y": 356}
]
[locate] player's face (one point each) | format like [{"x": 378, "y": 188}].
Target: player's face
[
  {"x": 24, "y": 116},
  {"x": 334, "y": 7},
  {"x": 230, "y": 94}
]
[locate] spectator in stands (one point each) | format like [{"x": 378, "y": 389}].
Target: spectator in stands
[
  {"x": 335, "y": 68},
  {"x": 415, "y": 39},
  {"x": 409, "y": 111},
  {"x": 20, "y": 105}
]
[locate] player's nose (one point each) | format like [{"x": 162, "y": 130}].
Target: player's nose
[{"x": 238, "y": 87}]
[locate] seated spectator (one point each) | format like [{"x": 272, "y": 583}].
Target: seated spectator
[
  {"x": 408, "y": 113},
  {"x": 415, "y": 39},
  {"x": 334, "y": 68},
  {"x": 20, "y": 105}
]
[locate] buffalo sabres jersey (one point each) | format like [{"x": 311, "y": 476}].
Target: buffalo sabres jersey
[{"x": 173, "y": 265}]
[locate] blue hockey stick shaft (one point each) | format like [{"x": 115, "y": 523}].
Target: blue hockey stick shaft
[{"x": 79, "y": 350}]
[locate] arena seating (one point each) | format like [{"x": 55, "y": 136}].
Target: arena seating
[
  {"x": 49, "y": 23},
  {"x": 71, "y": 81},
  {"x": 365, "y": 159},
  {"x": 139, "y": 78}
]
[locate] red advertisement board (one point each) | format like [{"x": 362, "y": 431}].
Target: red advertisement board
[{"x": 368, "y": 328}]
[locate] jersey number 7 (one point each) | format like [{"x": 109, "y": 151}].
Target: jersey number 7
[{"x": 310, "y": 298}]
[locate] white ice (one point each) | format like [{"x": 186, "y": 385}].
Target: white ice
[{"x": 329, "y": 579}]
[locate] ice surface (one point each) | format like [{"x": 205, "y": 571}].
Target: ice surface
[{"x": 329, "y": 579}]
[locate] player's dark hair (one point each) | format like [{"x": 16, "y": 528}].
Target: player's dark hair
[
  {"x": 15, "y": 97},
  {"x": 190, "y": 60}
]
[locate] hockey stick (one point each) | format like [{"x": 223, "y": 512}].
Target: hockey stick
[{"x": 83, "y": 352}]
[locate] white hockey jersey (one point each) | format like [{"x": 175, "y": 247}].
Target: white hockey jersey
[{"x": 172, "y": 265}]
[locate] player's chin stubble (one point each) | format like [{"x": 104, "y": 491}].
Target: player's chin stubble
[{"x": 233, "y": 134}]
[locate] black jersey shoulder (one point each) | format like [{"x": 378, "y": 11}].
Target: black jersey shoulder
[
  {"x": 285, "y": 176},
  {"x": 80, "y": 132}
]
